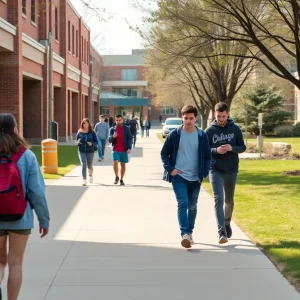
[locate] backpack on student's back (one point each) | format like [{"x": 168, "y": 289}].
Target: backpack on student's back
[{"x": 12, "y": 200}]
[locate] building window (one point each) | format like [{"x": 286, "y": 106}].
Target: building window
[
  {"x": 129, "y": 74},
  {"x": 69, "y": 36},
  {"x": 87, "y": 52},
  {"x": 33, "y": 11},
  {"x": 73, "y": 39},
  {"x": 56, "y": 23},
  {"x": 24, "y": 7},
  {"x": 82, "y": 49},
  {"x": 76, "y": 43},
  {"x": 126, "y": 92},
  {"x": 168, "y": 111},
  {"x": 104, "y": 110}
]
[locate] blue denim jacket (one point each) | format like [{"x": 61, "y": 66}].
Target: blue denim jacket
[
  {"x": 170, "y": 150},
  {"x": 83, "y": 146},
  {"x": 34, "y": 186}
]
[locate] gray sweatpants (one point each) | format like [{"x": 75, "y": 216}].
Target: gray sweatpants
[{"x": 223, "y": 186}]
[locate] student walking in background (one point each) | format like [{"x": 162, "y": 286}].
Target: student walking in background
[
  {"x": 226, "y": 141},
  {"x": 102, "y": 130},
  {"x": 147, "y": 126},
  {"x": 111, "y": 122},
  {"x": 87, "y": 142},
  {"x": 134, "y": 127},
  {"x": 186, "y": 159},
  {"x": 121, "y": 139},
  {"x": 19, "y": 171}
]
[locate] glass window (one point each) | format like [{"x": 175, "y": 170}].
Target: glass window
[
  {"x": 104, "y": 110},
  {"x": 76, "y": 43},
  {"x": 69, "y": 36},
  {"x": 24, "y": 7},
  {"x": 169, "y": 111},
  {"x": 126, "y": 92},
  {"x": 33, "y": 11},
  {"x": 56, "y": 23},
  {"x": 73, "y": 39},
  {"x": 129, "y": 74}
]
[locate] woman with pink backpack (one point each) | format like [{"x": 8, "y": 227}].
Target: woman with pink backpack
[{"x": 22, "y": 191}]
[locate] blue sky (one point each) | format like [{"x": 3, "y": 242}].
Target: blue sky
[{"x": 115, "y": 36}]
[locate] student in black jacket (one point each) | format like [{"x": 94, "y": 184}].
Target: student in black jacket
[{"x": 226, "y": 142}]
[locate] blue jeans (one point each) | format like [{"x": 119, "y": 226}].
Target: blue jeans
[
  {"x": 133, "y": 133},
  {"x": 101, "y": 147},
  {"x": 223, "y": 186},
  {"x": 186, "y": 193},
  {"x": 86, "y": 160}
]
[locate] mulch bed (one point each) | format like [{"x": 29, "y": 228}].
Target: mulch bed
[{"x": 292, "y": 173}]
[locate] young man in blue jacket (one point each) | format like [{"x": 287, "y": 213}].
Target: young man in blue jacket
[
  {"x": 121, "y": 139},
  {"x": 226, "y": 141},
  {"x": 186, "y": 158}
]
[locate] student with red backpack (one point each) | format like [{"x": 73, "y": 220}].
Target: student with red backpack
[{"x": 22, "y": 190}]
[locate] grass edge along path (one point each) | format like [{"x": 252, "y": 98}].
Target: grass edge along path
[
  {"x": 267, "y": 209},
  {"x": 67, "y": 159}
]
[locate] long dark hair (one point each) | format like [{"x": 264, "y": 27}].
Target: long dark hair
[
  {"x": 10, "y": 139},
  {"x": 84, "y": 121}
]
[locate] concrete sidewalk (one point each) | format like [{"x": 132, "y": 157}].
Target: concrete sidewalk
[{"x": 111, "y": 242}]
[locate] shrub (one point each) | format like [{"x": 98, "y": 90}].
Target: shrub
[
  {"x": 283, "y": 130},
  {"x": 296, "y": 130}
]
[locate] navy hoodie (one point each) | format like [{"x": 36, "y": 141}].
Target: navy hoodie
[{"x": 229, "y": 134}]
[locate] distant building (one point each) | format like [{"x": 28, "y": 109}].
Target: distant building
[{"x": 124, "y": 87}]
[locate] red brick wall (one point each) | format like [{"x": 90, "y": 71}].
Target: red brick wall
[
  {"x": 73, "y": 57},
  {"x": 31, "y": 28},
  {"x": 32, "y": 99},
  {"x": 32, "y": 67},
  {"x": 11, "y": 98},
  {"x": 3, "y": 10}
]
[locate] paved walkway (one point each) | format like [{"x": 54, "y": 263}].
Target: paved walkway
[{"x": 111, "y": 242}]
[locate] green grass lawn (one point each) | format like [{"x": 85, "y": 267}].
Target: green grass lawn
[
  {"x": 67, "y": 160},
  {"x": 160, "y": 137},
  {"x": 267, "y": 208}
]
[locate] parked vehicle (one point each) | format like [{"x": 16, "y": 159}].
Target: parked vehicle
[{"x": 169, "y": 125}]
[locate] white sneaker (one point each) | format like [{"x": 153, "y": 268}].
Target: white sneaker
[
  {"x": 186, "y": 241},
  {"x": 84, "y": 182},
  {"x": 91, "y": 179},
  {"x": 191, "y": 239},
  {"x": 223, "y": 239}
]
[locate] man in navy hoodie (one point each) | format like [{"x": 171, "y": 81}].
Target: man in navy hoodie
[
  {"x": 226, "y": 141},
  {"x": 186, "y": 158}
]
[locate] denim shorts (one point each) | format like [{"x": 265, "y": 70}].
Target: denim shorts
[
  {"x": 120, "y": 156},
  {"x": 4, "y": 232}
]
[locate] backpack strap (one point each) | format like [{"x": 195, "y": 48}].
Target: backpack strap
[{"x": 16, "y": 156}]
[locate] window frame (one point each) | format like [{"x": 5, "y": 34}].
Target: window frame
[
  {"x": 33, "y": 12},
  {"x": 129, "y": 77},
  {"x": 56, "y": 23}
]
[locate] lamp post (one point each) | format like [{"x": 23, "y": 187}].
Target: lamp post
[{"x": 50, "y": 105}]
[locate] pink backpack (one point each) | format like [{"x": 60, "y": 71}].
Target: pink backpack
[{"x": 12, "y": 200}]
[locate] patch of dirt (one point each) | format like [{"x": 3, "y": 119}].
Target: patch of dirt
[{"x": 291, "y": 173}]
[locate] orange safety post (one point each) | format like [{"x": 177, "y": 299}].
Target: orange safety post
[{"x": 49, "y": 156}]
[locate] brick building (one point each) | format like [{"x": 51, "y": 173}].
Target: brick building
[
  {"x": 124, "y": 88},
  {"x": 24, "y": 66}
]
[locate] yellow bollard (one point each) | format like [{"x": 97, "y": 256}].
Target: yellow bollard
[{"x": 49, "y": 156}]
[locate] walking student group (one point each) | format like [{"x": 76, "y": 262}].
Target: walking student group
[{"x": 188, "y": 155}]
